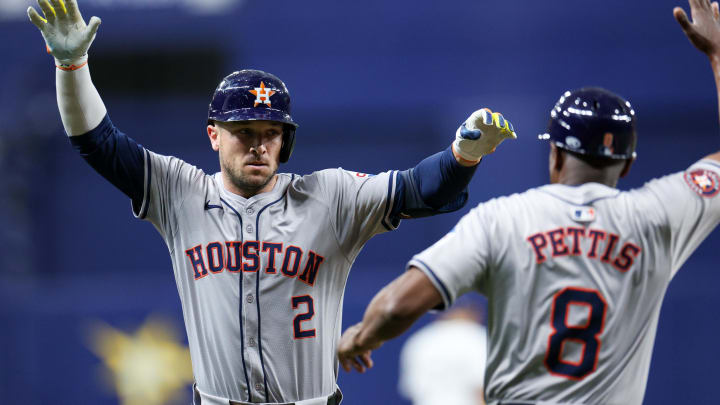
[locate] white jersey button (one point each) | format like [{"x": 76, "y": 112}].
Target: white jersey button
[
  {"x": 249, "y": 211},
  {"x": 258, "y": 386},
  {"x": 250, "y": 299},
  {"x": 249, "y": 229},
  {"x": 251, "y": 342}
]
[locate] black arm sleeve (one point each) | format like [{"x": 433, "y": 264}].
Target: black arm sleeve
[
  {"x": 117, "y": 157},
  {"x": 438, "y": 184}
]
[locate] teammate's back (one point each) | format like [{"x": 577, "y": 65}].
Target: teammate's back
[
  {"x": 574, "y": 272},
  {"x": 575, "y": 277}
]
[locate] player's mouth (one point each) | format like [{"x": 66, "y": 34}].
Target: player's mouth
[{"x": 256, "y": 165}]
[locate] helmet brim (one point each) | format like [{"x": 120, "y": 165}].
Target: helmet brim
[{"x": 252, "y": 114}]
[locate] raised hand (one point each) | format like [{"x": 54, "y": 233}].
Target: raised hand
[
  {"x": 67, "y": 36},
  {"x": 480, "y": 134},
  {"x": 704, "y": 30}
]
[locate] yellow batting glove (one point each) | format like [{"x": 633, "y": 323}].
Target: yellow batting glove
[
  {"x": 480, "y": 134},
  {"x": 66, "y": 35}
]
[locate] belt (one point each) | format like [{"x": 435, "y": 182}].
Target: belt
[{"x": 334, "y": 399}]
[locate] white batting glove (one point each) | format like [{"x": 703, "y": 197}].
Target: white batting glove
[
  {"x": 480, "y": 134},
  {"x": 66, "y": 35}
]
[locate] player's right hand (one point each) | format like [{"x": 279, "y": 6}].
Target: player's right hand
[
  {"x": 353, "y": 355},
  {"x": 480, "y": 134},
  {"x": 66, "y": 35},
  {"x": 704, "y": 30}
]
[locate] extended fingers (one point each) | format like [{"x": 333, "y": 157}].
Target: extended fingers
[
  {"x": 504, "y": 125},
  {"x": 366, "y": 359},
  {"x": 72, "y": 10},
  {"x": 47, "y": 10},
  {"x": 36, "y": 19},
  {"x": 59, "y": 8},
  {"x": 698, "y": 4},
  {"x": 350, "y": 362},
  {"x": 359, "y": 367},
  {"x": 682, "y": 19},
  {"x": 345, "y": 363},
  {"x": 93, "y": 25}
]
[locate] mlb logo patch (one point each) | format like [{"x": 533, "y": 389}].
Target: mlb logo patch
[
  {"x": 583, "y": 214},
  {"x": 705, "y": 183}
]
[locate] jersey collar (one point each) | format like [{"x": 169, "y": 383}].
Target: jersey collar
[
  {"x": 283, "y": 180},
  {"x": 582, "y": 194}
]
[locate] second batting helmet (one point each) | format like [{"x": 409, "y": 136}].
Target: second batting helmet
[
  {"x": 249, "y": 95},
  {"x": 593, "y": 121}
]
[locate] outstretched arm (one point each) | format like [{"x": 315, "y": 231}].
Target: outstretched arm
[
  {"x": 390, "y": 313},
  {"x": 704, "y": 33},
  {"x": 438, "y": 183},
  {"x": 112, "y": 154}
]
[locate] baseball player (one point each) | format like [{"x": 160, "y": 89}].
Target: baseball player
[
  {"x": 260, "y": 258},
  {"x": 448, "y": 373},
  {"x": 574, "y": 271}
]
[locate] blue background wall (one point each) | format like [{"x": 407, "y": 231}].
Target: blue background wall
[{"x": 376, "y": 85}]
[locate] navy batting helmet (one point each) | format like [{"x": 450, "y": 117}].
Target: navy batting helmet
[
  {"x": 593, "y": 121},
  {"x": 249, "y": 95}
]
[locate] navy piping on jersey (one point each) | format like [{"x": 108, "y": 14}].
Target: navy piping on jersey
[
  {"x": 242, "y": 333},
  {"x": 146, "y": 196},
  {"x": 437, "y": 279},
  {"x": 389, "y": 201},
  {"x": 617, "y": 194},
  {"x": 711, "y": 162},
  {"x": 257, "y": 294}
]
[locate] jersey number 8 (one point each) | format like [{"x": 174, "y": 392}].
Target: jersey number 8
[{"x": 586, "y": 334}]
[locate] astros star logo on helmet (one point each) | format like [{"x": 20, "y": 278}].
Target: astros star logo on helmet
[{"x": 262, "y": 95}]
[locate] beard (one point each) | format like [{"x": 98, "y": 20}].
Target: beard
[{"x": 250, "y": 181}]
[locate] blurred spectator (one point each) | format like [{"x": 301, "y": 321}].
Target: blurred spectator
[{"x": 444, "y": 362}]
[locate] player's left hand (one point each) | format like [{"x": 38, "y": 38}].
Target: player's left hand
[
  {"x": 66, "y": 35},
  {"x": 350, "y": 354},
  {"x": 480, "y": 134}
]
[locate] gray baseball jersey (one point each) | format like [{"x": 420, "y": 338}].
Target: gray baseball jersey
[
  {"x": 261, "y": 280},
  {"x": 575, "y": 278}
]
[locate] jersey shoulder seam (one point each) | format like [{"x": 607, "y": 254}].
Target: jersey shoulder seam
[{"x": 327, "y": 206}]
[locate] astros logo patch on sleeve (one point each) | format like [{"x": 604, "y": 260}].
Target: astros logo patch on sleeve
[
  {"x": 704, "y": 182},
  {"x": 361, "y": 175}
]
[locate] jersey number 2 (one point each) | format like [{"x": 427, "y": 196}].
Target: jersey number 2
[
  {"x": 586, "y": 334},
  {"x": 298, "y": 332}
]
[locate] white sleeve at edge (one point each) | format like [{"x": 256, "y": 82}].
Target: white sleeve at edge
[{"x": 79, "y": 102}]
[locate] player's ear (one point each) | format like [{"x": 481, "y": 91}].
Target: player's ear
[
  {"x": 214, "y": 135},
  {"x": 626, "y": 168},
  {"x": 558, "y": 158}
]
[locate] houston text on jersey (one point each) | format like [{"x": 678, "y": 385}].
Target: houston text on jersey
[{"x": 235, "y": 256}]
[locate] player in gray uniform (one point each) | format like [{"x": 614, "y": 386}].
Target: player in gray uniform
[
  {"x": 575, "y": 271},
  {"x": 260, "y": 259}
]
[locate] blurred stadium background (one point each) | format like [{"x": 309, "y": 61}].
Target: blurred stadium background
[{"x": 89, "y": 312}]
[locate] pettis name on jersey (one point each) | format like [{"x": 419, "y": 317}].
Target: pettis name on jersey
[{"x": 578, "y": 241}]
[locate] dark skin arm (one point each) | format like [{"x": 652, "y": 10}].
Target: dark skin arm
[
  {"x": 704, "y": 32},
  {"x": 390, "y": 313},
  {"x": 397, "y": 306}
]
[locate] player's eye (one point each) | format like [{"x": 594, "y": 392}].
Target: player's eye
[{"x": 242, "y": 132}]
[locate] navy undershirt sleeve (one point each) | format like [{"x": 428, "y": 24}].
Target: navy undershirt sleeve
[
  {"x": 438, "y": 184},
  {"x": 117, "y": 157}
]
